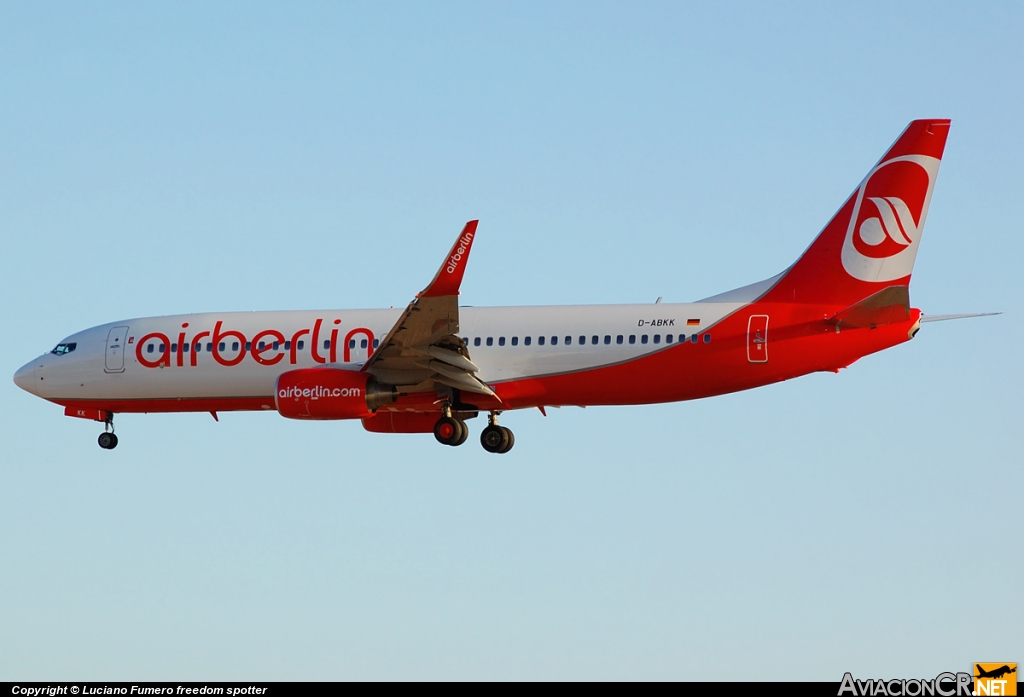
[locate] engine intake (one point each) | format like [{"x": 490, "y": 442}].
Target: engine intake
[{"x": 330, "y": 393}]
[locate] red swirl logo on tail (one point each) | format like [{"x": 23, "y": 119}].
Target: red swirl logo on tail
[
  {"x": 888, "y": 214},
  {"x": 894, "y": 225}
]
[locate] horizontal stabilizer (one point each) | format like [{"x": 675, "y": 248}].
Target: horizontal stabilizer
[
  {"x": 943, "y": 318},
  {"x": 887, "y": 306}
]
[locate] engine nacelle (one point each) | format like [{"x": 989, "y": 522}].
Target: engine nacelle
[{"x": 330, "y": 393}]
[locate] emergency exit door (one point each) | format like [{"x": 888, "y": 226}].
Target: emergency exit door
[
  {"x": 757, "y": 339},
  {"x": 115, "y": 350}
]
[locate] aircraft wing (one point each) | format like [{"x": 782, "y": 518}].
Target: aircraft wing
[{"x": 423, "y": 349}]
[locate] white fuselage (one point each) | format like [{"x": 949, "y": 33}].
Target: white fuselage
[{"x": 130, "y": 360}]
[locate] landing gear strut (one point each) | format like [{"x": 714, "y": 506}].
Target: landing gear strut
[
  {"x": 495, "y": 438},
  {"x": 107, "y": 439},
  {"x": 450, "y": 431}
]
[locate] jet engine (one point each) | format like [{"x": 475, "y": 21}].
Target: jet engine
[{"x": 330, "y": 393}]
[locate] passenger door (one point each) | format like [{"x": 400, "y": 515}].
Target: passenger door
[
  {"x": 114, "y": 362},
  {"x": 757, "y": 339}
]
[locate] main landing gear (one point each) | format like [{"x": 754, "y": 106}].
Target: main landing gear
[
  {"x": 495, "y": 438},
  {"x": 107, "y": 439},
  {"x": 452, "y": 431}
]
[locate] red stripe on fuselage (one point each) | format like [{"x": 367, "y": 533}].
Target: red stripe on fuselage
[{"x": 801, "y": 342}]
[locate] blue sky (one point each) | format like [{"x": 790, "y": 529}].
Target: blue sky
[{"x": 242, "y": 156}]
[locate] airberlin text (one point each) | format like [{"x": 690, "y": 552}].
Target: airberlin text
[
  {"x": 266, "y": 347},
  {"x": 319, "y": 392},
  {"x": 943, "y": 685},
  {"x": 456, "y": 257}
]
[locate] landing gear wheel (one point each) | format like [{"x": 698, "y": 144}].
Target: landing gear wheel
[
  {"x": 449, "y": 431},
  {"x": 107, "y": 441},
  {"x": 496, "y": 439},
  {"x": 511, "y": 440},
  {"x": 465, "y": 433}
]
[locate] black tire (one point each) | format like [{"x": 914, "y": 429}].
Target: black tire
[
  {"x": 464, "y": 435},
  {"x": 113, "y": 443},
  {"x": 447, "y": 431},
  {"x": 494, "y": 438},
  {"x": 107, "y": 441},
  {"x": 510, "y": 441}
]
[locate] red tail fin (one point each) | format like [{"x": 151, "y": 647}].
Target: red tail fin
[{"x": 871, "y": 243}]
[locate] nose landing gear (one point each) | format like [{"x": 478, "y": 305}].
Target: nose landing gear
[
  {"x": 495, "y": 438},
  {"x": 107, "y": 439}
]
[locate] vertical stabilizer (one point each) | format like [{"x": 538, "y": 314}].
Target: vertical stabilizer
[{"x": 871, "y": 243}]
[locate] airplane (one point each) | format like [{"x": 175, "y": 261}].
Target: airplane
[
  {"x": 434, "y": 365},
  {"x": 995, "y": 673}
]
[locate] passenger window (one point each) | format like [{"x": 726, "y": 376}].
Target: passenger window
[
  {"x": 363, "y": 343},
  {"x": 568, "y": 341},
  {"x": 490, "y": 341},
  {"x": 209, "y": 347},
  {"x": 199, "y": 347},
  {"x": 515, "y": 341},
  {"x": 221, "y": 346},
  {"x": 707, "y": 338},
  {"x": 174, "y": 348},
  {"x": 376, "y": 343},
  {"x": 501, "y": 341},
  {"x": 276, "y": 345},
  {"x": 693, "y": 339},
  {"x": 302, "y": 345},
  {"x": 618, "y": 339},
  {"x": 162, "y": 348},
  {"x": 327, "y": 343},
  {"x": 259, "y": 346},
  {"x": 632, "y": 338},
  {"x": 248, "y": 345},
  {"x": 234, "y": 345},
  {"x": 184, "y": 347},
  {"x": 540, "y": 341},
  {"x": 554, "y": 341},
  {"x": 593, "y": 339},
  {"x": 583, "y": 340},
  {"x": 668, "y": 338},
  {"x": 149, "y": 348},
  {"x": 287, "y": 346},
  {"x": 528, "y": 340},
  {"x": 476, "y": 341},
  {"x": 607, "y": 339},
  {"x": 643, "y": 339},
  {"x": 657, "y": 338}
]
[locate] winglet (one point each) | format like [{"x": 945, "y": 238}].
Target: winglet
[{"x": 449, "y": 276}]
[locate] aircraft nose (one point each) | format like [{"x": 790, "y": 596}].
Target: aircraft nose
[{"x": 25, "y": 378}]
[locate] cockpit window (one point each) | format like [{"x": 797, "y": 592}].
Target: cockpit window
[{"x": 64, "y": 348}]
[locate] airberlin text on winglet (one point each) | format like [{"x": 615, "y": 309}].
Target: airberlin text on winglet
[{"x": 456, "y": 257}]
